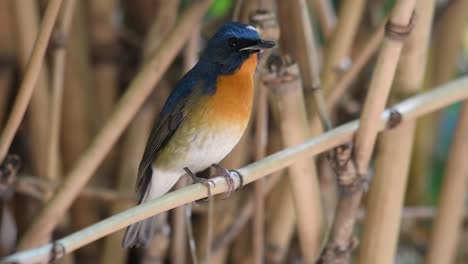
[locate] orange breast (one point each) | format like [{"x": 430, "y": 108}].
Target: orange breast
[{"x": 232, "y": 101}]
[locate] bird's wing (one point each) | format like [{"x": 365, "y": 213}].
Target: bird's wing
[{"x": 171, "y": 117}]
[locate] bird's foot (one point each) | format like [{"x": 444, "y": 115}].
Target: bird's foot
[
  {"x": 207, "y": 183},
  {"x": 229, "y": 178}
]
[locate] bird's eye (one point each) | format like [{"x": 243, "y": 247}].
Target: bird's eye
[{"x": 233, "y": 42}]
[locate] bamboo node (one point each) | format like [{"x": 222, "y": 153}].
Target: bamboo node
[
  {"x": 58, "y": 40},
  {"x": 57, "y": 252},
  {"x": 8, "y": 171},
  {"x": 399, "y": 32},
  {"x": 338, "y": 253},
  {"x": 394, "y": 119}
]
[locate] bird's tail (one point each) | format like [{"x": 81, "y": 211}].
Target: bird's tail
[{"x": 140, "y": 233}]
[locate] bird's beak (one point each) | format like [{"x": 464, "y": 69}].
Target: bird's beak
[{"x": 261, "y": 45}]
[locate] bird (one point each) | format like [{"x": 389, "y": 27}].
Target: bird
[{"x": 202, "y": 120}]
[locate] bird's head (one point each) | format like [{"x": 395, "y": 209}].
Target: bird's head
[{"x": 232, "y": 44}]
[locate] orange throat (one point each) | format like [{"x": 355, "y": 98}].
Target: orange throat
[{"x": 232, "y": 101}]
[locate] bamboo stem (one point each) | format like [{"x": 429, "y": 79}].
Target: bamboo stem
[
  {"x": 30, "y": 77},
  {"x": 27, "y": 26},
  {"x": 409, "y": 109},
  {"x": 326, "y": 15},
  {"x": 341, "y": 243},
  {"x": 449, "y": 218},
  {"x": 286, "y": 91},
  {"x": 338, "y": 53},
  {"x": 58, "y": 78},
  {"x": 139, "y": 89},
  {"x": 388, "y": 185},
  {"x": 6, "y": 58}
]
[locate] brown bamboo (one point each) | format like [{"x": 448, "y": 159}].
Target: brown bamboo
[
  {"x": 340, "y": 245},
  {"x": 58, "y": 76},
  {"x": 126, "y": 108},
  {"x": 326, "y": 15},
  {"x": 410, "y": 109},
  {"x": 448, "y": 33},
  {"x": 286, "y": 91},
  {"x": 388, "y": 185},
  {"x": 27, "y": 27},
  {"x": 105, "y": 47},
  {"x": 449, "y": 218},
  {"x": 338, "y": 54},
  {"x": 179, "y": 236},
  {"x": 281, "y": 224},
  {"x": 6, "y": 58},
  {"x": 42, "y": 189}
]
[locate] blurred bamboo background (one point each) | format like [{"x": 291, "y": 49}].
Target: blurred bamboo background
[{"x": 91, "y": 76}]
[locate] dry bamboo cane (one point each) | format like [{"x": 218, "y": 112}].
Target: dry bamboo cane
[
  {"x": 339, "y": 51},
  {"x": 266, "y": 23},
  {"x": 58, "y": 78},
  {"x": 179, "y": 217},
  {"x": 387, "y": 190},
  {"x": 30, "y": 77},
  {"x": 326, "y": 15},
  {"x": 298, "y": 39},
  {"x": 341, "y": 243},
  {"x": 139, "y": 89},
  {"x": 285, "y": 89},
  {"x": 449, "y": 219},
  {"x": 409, "y": 109},
  {"x": 27, "y": 27},
  {"x": 43, "y": 189},
  {"x": 445, "y": 53},
  {"x": 281, "y": 223},
  {"x": 6, "y": 58}
]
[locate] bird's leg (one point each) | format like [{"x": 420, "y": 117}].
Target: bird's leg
[
  {"x": 229, "y": 180},
  {"x": 207, "y": 183}
]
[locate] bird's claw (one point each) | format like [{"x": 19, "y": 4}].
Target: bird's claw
[
  {"x": 205, "y": 182},
  {"x": 229, "y": 179}
]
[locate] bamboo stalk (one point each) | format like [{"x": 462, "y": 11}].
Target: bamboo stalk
[
  {"x": 282, "y": 223},
  {"x": 58, "y": 78},
  {"x": 35, "y": 80},
  {"x": 340, "y": 245},
  {"x": 286, "y": 91},
  {"x": 6, "y": 58},
  {"x": 30, "y": 77},
  {"x": 326, "y": 15},
  {"x": 126, "y": 108},
  {"x": 388, "y": 185},
  {"x": 409, "y": 109},
  {"x": 43, "y": 189},
  {"x": 298, "y": 39},
  {"x": 339, "y": 51},
  {"x": 449, "y": 218},
  {"x": 179, "y": 221}
]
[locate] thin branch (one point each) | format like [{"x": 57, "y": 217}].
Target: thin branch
[
  {"x": 30, "y": 77},
  {"x": 326, "y": 15},
  {"x": 137, "y": 92},
  {"x": 338, "y": 53},
  {"x": 409, "y": 109},
  {"x": 58, "y": 75}
]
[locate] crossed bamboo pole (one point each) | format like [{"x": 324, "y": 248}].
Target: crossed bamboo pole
[{"x": 408, "y": 110}]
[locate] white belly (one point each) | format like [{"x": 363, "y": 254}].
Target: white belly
[{"x": 204, "y": 149}]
